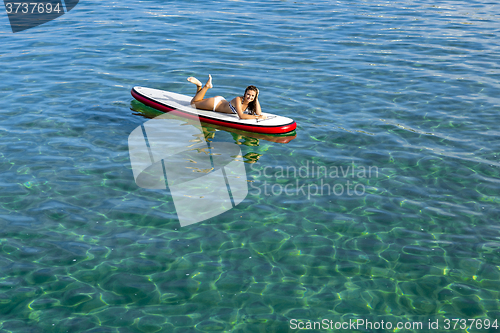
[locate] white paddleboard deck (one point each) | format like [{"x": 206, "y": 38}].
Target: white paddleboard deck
[{"x": 166, "y": 101}]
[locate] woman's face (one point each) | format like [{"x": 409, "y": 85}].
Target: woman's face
[{"x": 249, "y": 96}]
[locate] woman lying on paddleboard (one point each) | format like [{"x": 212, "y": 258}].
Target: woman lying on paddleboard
[{"x": 242, "y": 106}]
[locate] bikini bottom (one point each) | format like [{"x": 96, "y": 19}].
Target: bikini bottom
[{"x": 217, "y": 100}]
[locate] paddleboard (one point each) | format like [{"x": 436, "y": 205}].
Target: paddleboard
[{"x": 167, "y": 101}]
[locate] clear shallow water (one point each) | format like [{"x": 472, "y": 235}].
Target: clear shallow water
[{"x": 408, "y": 89}]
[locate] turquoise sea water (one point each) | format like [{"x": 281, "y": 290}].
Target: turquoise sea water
[{"x": 403, "y": 93}]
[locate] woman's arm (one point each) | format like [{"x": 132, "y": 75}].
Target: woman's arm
[
  {"x": 258, "y": 110},
  {"x": 244, "y": 115},
  {"x": 257, "y": 106}
]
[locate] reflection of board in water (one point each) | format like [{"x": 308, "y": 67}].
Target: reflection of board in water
[{"x": 168, "y": 101}]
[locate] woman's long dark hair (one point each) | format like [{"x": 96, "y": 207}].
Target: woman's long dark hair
[{"x": 251, "y": 106}]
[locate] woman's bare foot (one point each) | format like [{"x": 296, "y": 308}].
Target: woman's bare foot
[
  {"x": 194, "y": 80},
  {"x": 209, "y": 82}
]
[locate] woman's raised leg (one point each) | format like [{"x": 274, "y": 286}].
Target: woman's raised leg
[
  {"x": 200, "y": 92},
  {"x": 195, "y": 81}
]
